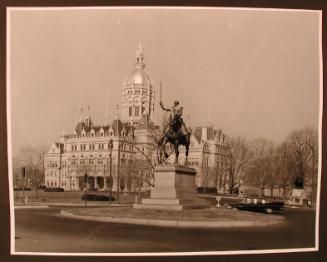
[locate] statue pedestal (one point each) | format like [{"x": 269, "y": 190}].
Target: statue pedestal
[{"x": 174, "y": 189}]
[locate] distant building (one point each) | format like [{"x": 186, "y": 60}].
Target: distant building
[{"x": 129, "y": 140}]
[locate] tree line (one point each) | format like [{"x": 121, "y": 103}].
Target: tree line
[{"x": 266, "y": 165}]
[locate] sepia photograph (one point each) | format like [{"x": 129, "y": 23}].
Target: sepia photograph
[{"x": 154, "y": 131}]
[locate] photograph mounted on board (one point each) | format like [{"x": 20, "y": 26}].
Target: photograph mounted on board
[{"x": 131, "y": 126}]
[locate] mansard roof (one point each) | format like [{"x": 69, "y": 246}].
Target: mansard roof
[
  {"x": 211, "y": 134},
  {"x": 56, "y": 148}
]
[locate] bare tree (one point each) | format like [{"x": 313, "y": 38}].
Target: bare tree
[
  {"x": 32, "y": 158},
  {"x": 283, "y": 167},
  {"x": 260, "y": 169},
  {"x": 303, "y": 146},
  {"x": 218, "y": 176},
  {"x": 205, "y": 175},
  {"x": 238, "y": 156}
]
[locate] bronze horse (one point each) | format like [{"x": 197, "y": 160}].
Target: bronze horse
[{"x": 176, "y": 137}]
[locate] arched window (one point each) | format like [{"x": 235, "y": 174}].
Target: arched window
[
  {"x": 92, "y": 133},
  {"x": 137, "y": 111}
]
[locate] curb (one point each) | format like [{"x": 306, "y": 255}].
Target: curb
[
  {"x": 31, "y": 207},
  {"x": 172, "y": 223},
  {"x": 88, "y": 205}
]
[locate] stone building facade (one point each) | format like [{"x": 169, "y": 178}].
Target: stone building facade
[{"x": 128, "y": 144}]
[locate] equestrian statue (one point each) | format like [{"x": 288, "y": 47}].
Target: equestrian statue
[{"x": 175, "y": 132}]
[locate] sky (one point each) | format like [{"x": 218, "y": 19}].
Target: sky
[{"x": 256, "y": 71}]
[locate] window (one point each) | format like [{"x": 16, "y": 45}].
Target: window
[
  {"x": 91, "y": 161},
  {"x": 137, "y": 112},
  {"x": 143, "y": 109},
  {"x": 130, "y": 110}
]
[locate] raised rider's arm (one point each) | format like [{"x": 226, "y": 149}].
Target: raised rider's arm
[{"x": 166, "y": 109}]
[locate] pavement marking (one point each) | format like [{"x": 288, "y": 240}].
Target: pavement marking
[{"x": 92, "y": 233}]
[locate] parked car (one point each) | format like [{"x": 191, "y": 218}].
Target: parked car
[
  {"x": 257, "y": 205},
  {"x": 95, "y": 197},
  {"x": 42, "y": 187}
]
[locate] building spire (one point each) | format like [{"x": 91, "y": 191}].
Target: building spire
[
  {"x": 209, "y": 117},
  {"x": 81, "y": 115},
  {"x": 106, "y": 102},
  {"x": 117, "y": 111},
  {"x": 139, "y": 56},
  {"x": 88, "y": 111},
  {"x": 75, "y": 115}
]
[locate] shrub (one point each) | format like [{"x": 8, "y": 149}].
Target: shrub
[
  {"x": 95, "y": 197},
  {"x": 53, "y": 189},
  {"x": 22, "y": 189},
  {"x": 208, "y": 190}
]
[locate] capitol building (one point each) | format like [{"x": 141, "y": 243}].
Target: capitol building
[{"x": 122, "y": 153}]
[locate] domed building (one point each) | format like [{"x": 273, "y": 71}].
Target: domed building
[
  {"x": 121, "y": 153},
  {"x": 137, "y": 93}
]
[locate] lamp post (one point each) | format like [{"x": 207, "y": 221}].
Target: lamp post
[
  {"x": 110, "y": 167},
  {"x": 24, "y": 175},
  {"x": 118, "y": 164},
  {"x": 85, "y": 185}
]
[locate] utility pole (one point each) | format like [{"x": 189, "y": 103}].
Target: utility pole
[
  {"x": 118, "y": 165},
  {"x": 23, "y": 174}
]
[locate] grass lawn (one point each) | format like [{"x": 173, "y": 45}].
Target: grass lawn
[{"x": 207, "y": 214}]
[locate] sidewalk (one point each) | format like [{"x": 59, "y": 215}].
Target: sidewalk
[{"x": 30, "y": 205}]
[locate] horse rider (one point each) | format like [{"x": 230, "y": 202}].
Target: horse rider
[{"x": 176, "y": 114}]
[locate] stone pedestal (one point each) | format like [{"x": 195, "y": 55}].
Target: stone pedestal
[{"x": 174, "y": 189}]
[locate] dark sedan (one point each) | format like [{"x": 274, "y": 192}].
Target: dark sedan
[{"x": 257, "y": 205}]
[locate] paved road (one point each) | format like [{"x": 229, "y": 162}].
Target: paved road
[{"x": 46, "y": 231}]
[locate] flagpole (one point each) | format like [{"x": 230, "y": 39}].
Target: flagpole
[{"x": 160, "y": 94}]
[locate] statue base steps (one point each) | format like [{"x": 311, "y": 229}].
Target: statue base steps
[{"x": 174, "y": 189}]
